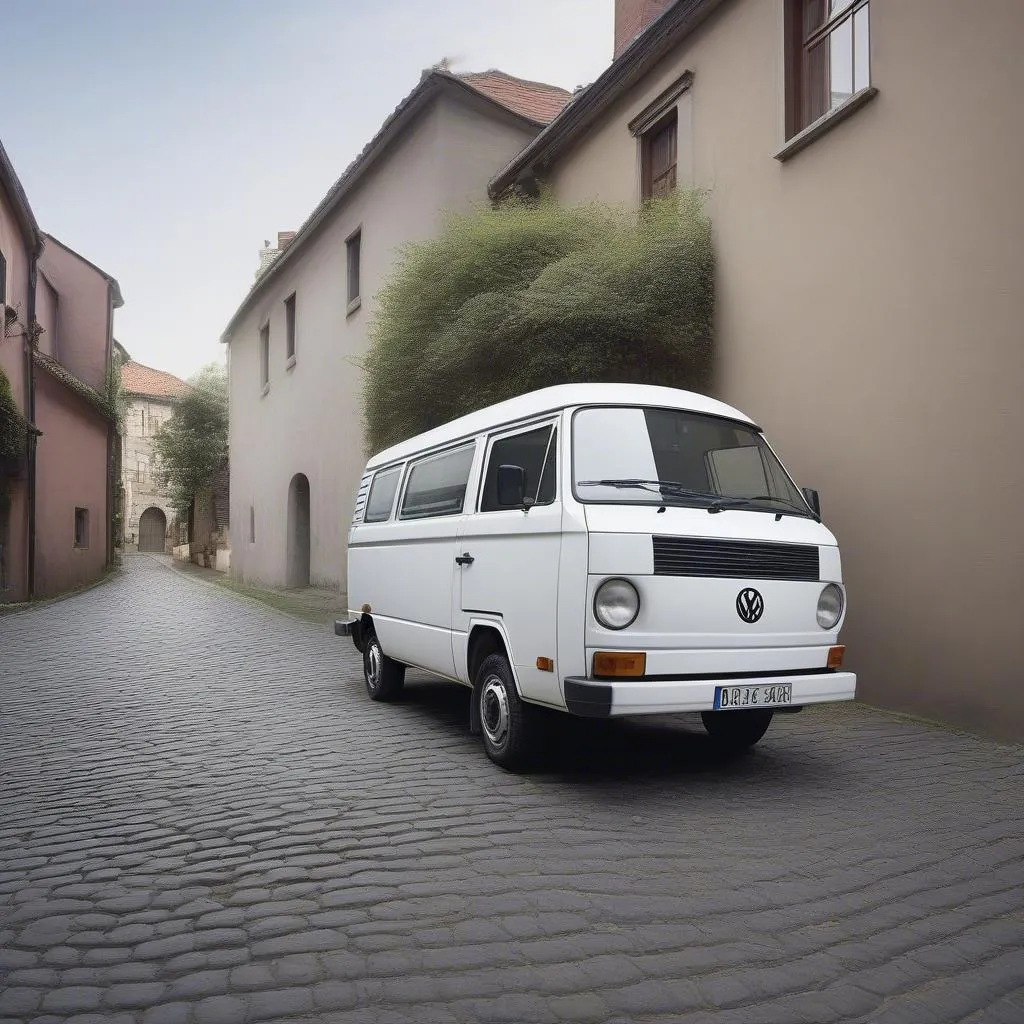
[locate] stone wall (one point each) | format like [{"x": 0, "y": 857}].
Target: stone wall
[{"x": 141, "y": 490}]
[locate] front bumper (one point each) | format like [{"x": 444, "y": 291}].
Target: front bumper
[{"x": 595, "y": 698}]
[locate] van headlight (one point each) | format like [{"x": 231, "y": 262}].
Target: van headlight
[
  {"x": 616, "y": 604},
  {"x": 830, "y": 606}
]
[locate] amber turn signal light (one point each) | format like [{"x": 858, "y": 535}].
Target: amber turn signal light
[
  {"x": 545, "y": 665},
  {"x": 620, "y": 664},
  {"x": 835, "y": 657}
]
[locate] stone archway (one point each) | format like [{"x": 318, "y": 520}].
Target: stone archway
[
  {"x": 297, "y": 569},
  {"x": 152, "y": 530}
]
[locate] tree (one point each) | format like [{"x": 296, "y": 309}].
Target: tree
[
  {"x": 528, "y": 294},
  {"x": 193, "y": 444}
]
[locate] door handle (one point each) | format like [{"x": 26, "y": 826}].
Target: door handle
[{"x": 464, "y": 559}]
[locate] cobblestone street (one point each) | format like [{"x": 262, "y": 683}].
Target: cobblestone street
[{"x": 204, "y": 819}]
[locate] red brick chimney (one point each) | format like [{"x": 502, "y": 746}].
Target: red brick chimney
[{"x": 632, "y": 17}]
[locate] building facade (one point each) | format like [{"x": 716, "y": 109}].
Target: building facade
[
  {"x": 296, "y": 435},
  {"x": 55, "y": 353},
  {"x": 21, "y": 242},
  {"x": 870, "y": 244},
  {"x": 148, "y": 516}
]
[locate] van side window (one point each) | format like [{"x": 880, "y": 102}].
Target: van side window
[
  {"x": 382, "y": 495},
  {"x": 534, "y": 451},
  {"x": 437, "y": 485}
]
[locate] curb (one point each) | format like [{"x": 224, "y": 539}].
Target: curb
[
  {"x": 45, "y": 602},
  {"x": 247, "y": 598}
]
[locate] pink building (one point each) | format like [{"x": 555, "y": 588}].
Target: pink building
[{"x": 55, "y": 497}]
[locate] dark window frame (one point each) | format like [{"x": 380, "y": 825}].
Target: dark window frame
[
  {"x": 289, "y": 329},
  {"x": 353, "y": 270},
  {"x": 654, "y": 118},
  {"x": 81, "y": 527},
  {"x": 800, "y": 40},
  {"x": 668, "y": 123},
  {"x": 3, "y": 291}
]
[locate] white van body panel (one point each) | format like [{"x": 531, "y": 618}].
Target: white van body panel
[
  {"x": 514, "y": 577},
  {"x": 734, "y": 524},
  {"x": 573, "y": 611},
  {"x": 405, "y": 572}
]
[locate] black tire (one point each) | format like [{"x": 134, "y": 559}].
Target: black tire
[
  {"x": 510, "y": 727},
  {"x": 736, "y": 730},
  {"x": 384, "y": 678}
]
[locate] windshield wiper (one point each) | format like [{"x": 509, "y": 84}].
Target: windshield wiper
[
  {"x": 724, "y": 503},
  {"x": 660, "y": 487}
]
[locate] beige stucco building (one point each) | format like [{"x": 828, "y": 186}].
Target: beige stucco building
[
  {"x": 296, "y": 439},
  {"x": 147, "y": 512},
  {"x": 863, "y": 174}
]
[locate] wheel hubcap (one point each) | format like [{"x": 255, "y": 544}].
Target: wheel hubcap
[
  {"x": 376, "y": 667},
  {"x": 494, "y": 710}
]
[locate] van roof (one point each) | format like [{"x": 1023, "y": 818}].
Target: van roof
[{"x": 553, "y": 399}]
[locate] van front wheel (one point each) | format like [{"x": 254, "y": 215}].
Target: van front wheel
[
  {"x": 736, "y": 730},
  {"x": 506, "y": 722},
  {"x": 384, "y": 678}
]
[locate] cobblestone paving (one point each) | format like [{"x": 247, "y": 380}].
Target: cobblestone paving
[{"x": 203, "y": 819}]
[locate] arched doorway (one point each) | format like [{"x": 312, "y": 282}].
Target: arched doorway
[
  {"x": 152, "y": 530},
  {"x": 297, "y": 574}
]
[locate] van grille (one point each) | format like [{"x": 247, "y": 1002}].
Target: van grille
[{"x": 688, "y": 556}]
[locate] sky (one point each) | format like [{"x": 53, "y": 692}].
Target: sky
[{"x": 165, "y": 140}]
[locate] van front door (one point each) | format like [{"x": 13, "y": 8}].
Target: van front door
[{"x": 508, "y": 568}]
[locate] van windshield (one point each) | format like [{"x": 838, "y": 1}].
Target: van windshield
[{"x": 650, "y": 456}]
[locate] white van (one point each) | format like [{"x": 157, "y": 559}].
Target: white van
[{"x": 601, "y": 550}]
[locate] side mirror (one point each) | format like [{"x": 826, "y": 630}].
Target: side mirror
[
  {"x": 811, "y": 497},
  {"x": 511, "y": 486}
]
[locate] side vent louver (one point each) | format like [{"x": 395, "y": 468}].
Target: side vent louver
[{"x": 361, "y": 494}]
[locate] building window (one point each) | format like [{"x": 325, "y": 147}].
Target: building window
[
  {"x": 252, "y": 524},
  {"x": 289, "y": 327},
  {"x": 353, "y": 247},
  {"x": 81, "y": 527},
  {"x": 828, "y": 57},
  {"x": 3, "y": 289},
  {"x": 658, "y": 157},
  {"x": 265, "y": 356}
]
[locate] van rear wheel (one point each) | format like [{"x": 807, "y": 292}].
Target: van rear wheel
[
  {"x": 384, "y": 677},
  {"x": 509, "y": 726},
  {"x": 736, "y": 730}
]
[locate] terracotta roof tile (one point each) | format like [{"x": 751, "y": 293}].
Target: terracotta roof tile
[
  {"x": 137, "y": 379},
  {"x": 535, "y": 100}
]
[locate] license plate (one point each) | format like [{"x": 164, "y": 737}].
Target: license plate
[{"x": 739, "y": 698}]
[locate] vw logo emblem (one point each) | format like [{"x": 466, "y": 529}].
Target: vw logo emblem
[{"x": 749, "y": 605}]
